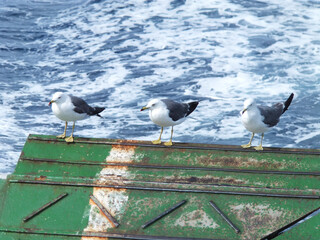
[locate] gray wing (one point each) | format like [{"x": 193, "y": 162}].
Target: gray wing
[
  {"x": 176, "y": 110},
  {"x": 80, "y": 105},
  {"x": 271, "y": 114}
]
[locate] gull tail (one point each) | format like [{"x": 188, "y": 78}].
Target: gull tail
[
  {"x": 191, "y": 107},
  {"x": 287, "y": 103},
  {"x": 96, "y": 111}
]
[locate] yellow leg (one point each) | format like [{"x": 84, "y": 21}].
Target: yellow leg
[
  {"x": 63, "y": 135},
  {"x": 260, "y": 148},
  {"x": 158, "y": 141},
  {"x": 70, "y": 139},
  {"x": 249, "y": 144},
  {"x": 170, "y": 142}
]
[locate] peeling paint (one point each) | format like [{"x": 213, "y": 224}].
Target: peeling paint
[
  {"x": 114, "y": 200},
  {"x": 280, "y": 186},
  {"x": 259, "y": 216},
  {"x": 197, "y": 219},
  {"x": 120, "y": 153},
  {"x": 93, "y": 238}
]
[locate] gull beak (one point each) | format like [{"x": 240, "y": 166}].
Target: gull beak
[
  {"x": 51, "y": 102},
  {"x": 244, "y": 110},
  {"x": 144, "y": 108}
]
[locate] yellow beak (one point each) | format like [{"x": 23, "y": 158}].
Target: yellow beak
[
  {"x": 144, "y": 108},
  {"x": 244, "y": 110},
  {"x": 52, "y": 101}
]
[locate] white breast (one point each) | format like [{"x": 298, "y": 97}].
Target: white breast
[
  {"x": 160, "y": 116},
  {"x": 253, "y": 121},
  {"x": 64, "y": 111}
]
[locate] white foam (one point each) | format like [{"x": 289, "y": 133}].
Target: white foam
[{"x": 195, "y": 54}]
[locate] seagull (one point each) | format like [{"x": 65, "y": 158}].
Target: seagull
[
  {"x": 259, "y": 119},
  {"x": 166, "y": 112},
  {"x": 70, "y": 108}
]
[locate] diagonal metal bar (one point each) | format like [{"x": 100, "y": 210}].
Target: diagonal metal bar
[
  {"x": 224, "y": 217},
  {"x": 164, "y": 214},
  {"x": 44, "y": 207},
  {"x": 105, "y": 211},
  {"x": 288, "y": 226}
]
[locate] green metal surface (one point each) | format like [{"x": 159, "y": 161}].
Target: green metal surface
[
  {"x": 135, "y": 181},
  {"x": 304, "y": 230}
]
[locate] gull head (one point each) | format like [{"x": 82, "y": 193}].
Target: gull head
[
  {"x": 58, "y": 97},
  {"x": 154, "y": 103},
  {"x": 248, "y": 104}
]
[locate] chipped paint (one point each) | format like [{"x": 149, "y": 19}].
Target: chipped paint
[
  {"x": 259, "y": 192},
  {"x": 93, "y": 238},
  {"x": 114, "y": 200},
  {"x": 120, "y": 153},
  {"x": 257, "y": 215},
  {"x": 197, "y": 219}
]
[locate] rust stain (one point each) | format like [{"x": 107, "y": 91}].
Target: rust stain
[
  {"x": 204, "y": 180},
  {"x": 128, "y": 141},
  {"x": 114, "y": 200},
  {"x": 94, "y": 238},
  {"x": 211, "y": 160},
  {"x": 122, "y": 154},
  {"x": 41, "y": 178}
]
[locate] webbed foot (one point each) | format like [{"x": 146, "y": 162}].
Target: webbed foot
[
  {"x": 246, "y": 145},
  {"x": 156, "y": 141},
  {"x": 69, "y": 139},
  {"x": 258, "y": 148},
  {"x": 61, "y": 136}
]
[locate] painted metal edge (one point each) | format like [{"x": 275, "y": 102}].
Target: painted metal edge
[
  {"x": 102, "y": 235},
  {"x": 195, "y": 146}
]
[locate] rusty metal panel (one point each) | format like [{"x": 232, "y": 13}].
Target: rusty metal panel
[{"x": 135, "y": 190}]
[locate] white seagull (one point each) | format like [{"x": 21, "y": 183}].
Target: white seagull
[
  {"x": 70, "y": 108},
  {"x": 166, "y": 112},
  {"x": 259, "y": 119}
]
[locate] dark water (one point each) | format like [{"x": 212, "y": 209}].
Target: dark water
[{"x": 120, "y": 54}]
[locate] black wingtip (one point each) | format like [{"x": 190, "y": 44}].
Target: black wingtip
[
  {"x": 97, "y": 110},
  {"x": 192, "y": 106},
  {"x": 288, "y": 102}
]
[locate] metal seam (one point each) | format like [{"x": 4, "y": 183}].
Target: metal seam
[
  {"x": 176, "y": 167},
  {"x": 171, "y": 189}
]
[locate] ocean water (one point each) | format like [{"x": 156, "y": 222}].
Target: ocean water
[{"x": 121, "y": 54}]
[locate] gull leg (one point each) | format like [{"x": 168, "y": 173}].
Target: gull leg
[
  {"x": 260, "y": 148},
  {"x": 249, "y": 144},
  {"x": 70, "y": 139},
  {"x": 170, "y": 142},
  {"x": 158, "y": 141},
  {"x": 63, "y": 135}
]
